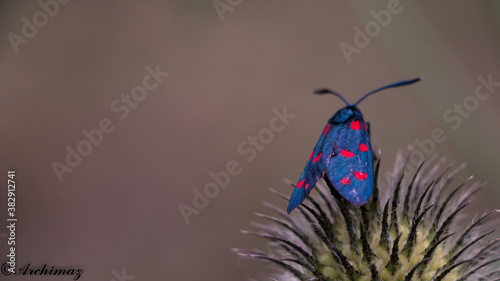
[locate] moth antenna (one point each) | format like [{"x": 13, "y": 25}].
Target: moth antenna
[
  {"x": 397, "y": 84},
  {"x": 328, "y": 91}
]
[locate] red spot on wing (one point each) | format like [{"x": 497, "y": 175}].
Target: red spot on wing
[
  {"x": 301, "y": 183},
  {"x": 364, "y": 126},
  {"x": 326, "y": 129},
  {"x": 360, "y": 175},
  {"x": 355, "y": 125},
  {"x": 345, "y": 181},
  {"x": 317, "y": 157},
  {"x": 363, "y": 147},
  {"x": 307, "y": 186},
  {"x": 346, "y": 153},
  {"x": 312, "y": 153}
]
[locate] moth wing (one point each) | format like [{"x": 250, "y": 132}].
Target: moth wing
[
  {"x": 351, "y": 169},
  {"x": 315, "y": 166}
]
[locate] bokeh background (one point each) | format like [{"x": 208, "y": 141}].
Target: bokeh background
[{"x": 229, "y": 68}]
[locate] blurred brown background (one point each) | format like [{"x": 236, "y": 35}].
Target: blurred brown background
[{"x": 119, "y": 208}]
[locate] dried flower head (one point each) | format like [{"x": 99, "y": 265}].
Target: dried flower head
[{"x": 412, "y": 235}]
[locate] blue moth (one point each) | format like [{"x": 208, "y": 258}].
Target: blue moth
[{"x": 343, "y": 155}]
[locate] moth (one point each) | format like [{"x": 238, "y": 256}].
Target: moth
[{"x": 343, "y": 154}]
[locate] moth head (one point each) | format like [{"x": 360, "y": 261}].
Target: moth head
[{"x": 345, "y": 114}]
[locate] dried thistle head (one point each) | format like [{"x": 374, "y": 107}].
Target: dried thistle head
[{"x": 412, "y": 235}]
